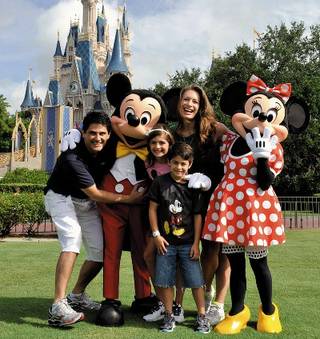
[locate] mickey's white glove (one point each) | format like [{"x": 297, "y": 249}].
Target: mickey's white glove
[
  {"x": 261, "y": 146},
  {"x": 198, "y": 180},
  {"x": 70, "y": 139}
]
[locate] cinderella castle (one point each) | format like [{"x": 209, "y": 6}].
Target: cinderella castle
[{"x": 78, "y": 84}]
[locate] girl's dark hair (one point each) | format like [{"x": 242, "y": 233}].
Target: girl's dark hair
[
  {"x": 205, "y": 119},
  {"x": 96, "y": 118},
  {"x": 158, "y": 129},
  {"x": 181, "y": 149}
]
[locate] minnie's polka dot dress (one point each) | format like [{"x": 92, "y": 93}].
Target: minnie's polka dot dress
[{"x": 239, "y": 212}]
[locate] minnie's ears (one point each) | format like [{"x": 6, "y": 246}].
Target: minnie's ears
[
  {"x": 171, "y": 99},
  {"x": 298, "y": 116},
  {"x": 233, "y": 98}
]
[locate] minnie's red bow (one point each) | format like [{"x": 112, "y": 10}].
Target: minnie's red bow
[{"x": 255, "y": 84}]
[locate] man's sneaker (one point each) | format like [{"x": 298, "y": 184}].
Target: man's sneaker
[
  {"x": 178, "y": 313},
  {"x": 82, "y": 302},
  {"x": 156, "y": 313},
  {"x": 208, "y": 296},
  {"x": 61, "y": 314},
  {"x": 215, "y": 314},
  {"x": 202, "y": 324},
  {"x": 168, "y": 323}
]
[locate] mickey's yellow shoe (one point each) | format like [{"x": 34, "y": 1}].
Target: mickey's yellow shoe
[
  {"x": 233, "y": 324},
  {"x": 269, "y": 323}
]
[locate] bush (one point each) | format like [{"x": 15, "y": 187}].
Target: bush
[
  {"x": 24, "y": 175},
  {"x": 22, "y": 208},
  {"x": 19, "y": 188}
]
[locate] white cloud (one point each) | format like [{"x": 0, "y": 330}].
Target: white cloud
[{"x": 182, "y": 35}]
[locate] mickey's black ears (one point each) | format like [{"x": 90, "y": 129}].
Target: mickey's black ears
[
  {"x": 171, "y": 99},
  {"x": 298, "y": 116},
  {"x": 117, "y": 88},
  {"x": 233, "y": 98}
]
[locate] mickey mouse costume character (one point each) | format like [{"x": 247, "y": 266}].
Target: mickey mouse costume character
[
  {"x": 136, "y": 112},
  {"x": 244, "y": 213}
]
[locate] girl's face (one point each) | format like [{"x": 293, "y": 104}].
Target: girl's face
[
  {"x": 189, "y": 105},
  {"x": 159, "y": 146}
]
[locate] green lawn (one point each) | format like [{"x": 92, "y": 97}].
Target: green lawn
[{"x": 26, "y": 287}]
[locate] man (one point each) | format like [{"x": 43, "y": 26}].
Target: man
[{"x": 70, "y": 197}]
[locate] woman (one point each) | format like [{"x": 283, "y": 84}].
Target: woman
[{"x": 198, "y": 127}]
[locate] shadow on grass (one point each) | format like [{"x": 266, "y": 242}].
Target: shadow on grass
[
  {"x": 34, "y": 312},
  {"x": 22, "y": 310}
]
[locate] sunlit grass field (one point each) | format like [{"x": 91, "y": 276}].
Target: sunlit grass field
[{"x": 27, "y": 278}]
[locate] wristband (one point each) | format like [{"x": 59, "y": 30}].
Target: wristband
[{"x": 155, "y": 233}]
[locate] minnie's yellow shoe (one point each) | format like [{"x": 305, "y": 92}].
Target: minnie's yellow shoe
[
  {"x": 269, "y": 323},
  {"x": 233, "y": 324}
]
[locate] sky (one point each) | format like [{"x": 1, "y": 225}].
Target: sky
[{"x": 166, "y": 35}]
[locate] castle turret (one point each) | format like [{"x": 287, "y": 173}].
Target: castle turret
[
  {"x": 125, "y": 38},
  {"x": 117, "y": 62},
  {"x": 58, "y": 60},
  {"x": 28, "y": 101},
  {"x": 89, "y": 19}
]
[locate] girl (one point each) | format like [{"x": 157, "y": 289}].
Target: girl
[{"x": 159, "y": 141}]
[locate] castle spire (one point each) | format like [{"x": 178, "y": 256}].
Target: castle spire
[
  {"x": 117, "y": 63},
  {"x": 28, "y": 101},
  {"x": 58, "y": 51}
]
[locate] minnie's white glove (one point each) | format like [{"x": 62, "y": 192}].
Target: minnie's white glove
[
  {"x": 70, "y": 139},
  {"x": 198, "y": 180},
  {"x": 261, "y": 146}
]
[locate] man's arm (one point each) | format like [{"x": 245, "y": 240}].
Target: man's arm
[{"x": 112, "y": 198}]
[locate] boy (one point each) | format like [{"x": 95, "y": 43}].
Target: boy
[{"x": 175, "y": 219}]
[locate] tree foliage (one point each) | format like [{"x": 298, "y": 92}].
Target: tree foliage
[
  {"x": 6, "y": 125},
  {"x": 284, "y": 54}
]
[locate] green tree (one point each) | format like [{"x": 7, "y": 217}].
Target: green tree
[{"x": 6, "y": 125}]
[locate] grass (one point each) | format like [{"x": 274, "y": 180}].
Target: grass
[{"x": 26, "y": 287}]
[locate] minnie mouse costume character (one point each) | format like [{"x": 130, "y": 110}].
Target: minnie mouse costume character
[{"x": 244, "y": 213}]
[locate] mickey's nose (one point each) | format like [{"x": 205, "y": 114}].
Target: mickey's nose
[{"x": 133, "y": 120}]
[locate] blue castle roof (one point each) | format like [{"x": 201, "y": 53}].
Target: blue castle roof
[
  {"x": 28, "y": 100},
  {"x": 87, "y": 66},
  {"x": 117, "y": 63},
  {"x": 58, "y": 51}
]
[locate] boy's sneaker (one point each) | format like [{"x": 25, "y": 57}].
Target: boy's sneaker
[
  {"x": 215, "y": 314},
  {"x": 82, "y": 302},
  {"x": 178, "y": 313},
  {"x": 202, "y": 324},
  {"x": 156, "y": 313},
  {"x": 208, "y": 296},
  {"x": 168, "y": 323},
  {"x": 61, "y": 314}
]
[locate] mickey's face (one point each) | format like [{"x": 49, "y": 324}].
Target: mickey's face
[
  {"x": 137, "y": 117},
  {"x": 261, "y": 111}
]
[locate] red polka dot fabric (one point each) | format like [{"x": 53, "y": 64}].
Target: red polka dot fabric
[{"x": 239, "y": 212}]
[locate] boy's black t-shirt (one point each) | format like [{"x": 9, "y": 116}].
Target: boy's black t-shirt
[{"x": 177, "y": 206}]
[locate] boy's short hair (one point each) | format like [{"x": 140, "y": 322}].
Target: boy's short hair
[
  {"x": 181, "y": 149},
  {"x": 95, "y": 117}
]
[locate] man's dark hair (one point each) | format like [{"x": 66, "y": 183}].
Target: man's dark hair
[
  {"x": 96, "y": 118},
  {"x": 181, "y": 149}
]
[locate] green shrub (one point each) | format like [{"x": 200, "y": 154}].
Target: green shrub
[
  {"x": 21, "y": 208},
  {"x": 24, "y": 175}
]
